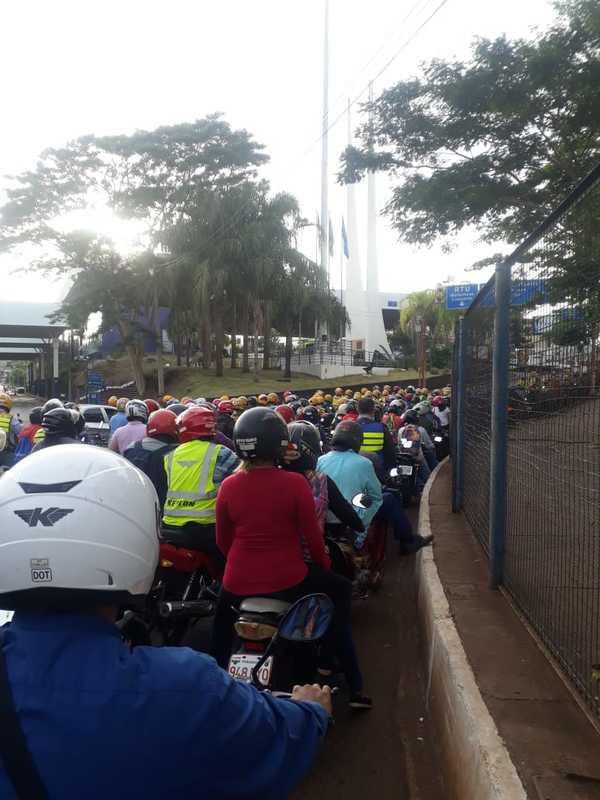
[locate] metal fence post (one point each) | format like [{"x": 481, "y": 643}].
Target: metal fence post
[
  {"x": 499, "y": 424},
  {"x": 459, "y": 418}
]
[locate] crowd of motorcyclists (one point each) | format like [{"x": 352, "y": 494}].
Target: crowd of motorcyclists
[{"x": 264, "y": 486}]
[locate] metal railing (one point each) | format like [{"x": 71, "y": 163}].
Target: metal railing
[{"x": 526, "y": 449}]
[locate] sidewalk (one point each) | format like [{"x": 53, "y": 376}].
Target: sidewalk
[{"x": 553, "y": 745}]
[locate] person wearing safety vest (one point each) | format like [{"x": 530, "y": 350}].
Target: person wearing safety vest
[
  {"x": 376, "y": 436},
  {"x": 195, "y": 470},
  {"x": 10, "y": 428}
]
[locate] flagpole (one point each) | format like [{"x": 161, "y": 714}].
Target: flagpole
[
  {"x": 342, "y": 326},
  {"x": 325, "y": 152}
]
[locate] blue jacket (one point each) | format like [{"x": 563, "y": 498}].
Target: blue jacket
[
  {"x": 117, "y": 421},
  {"x": 102, "y": 720},
  {"x": 353, "y": 475}
]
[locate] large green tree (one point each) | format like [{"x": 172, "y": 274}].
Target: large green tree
[{"x": 494, "y": 142}]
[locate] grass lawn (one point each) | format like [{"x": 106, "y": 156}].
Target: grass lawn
[{"x": 195, "y": 382}]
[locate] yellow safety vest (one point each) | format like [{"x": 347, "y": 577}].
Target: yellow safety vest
[
  {"x": 191, "y": 493},
  {"x": 5, "y": 426},
  {"x": 39, "y": 436},
  {"x": 373, "y": 437}
]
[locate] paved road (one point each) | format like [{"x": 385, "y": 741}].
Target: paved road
[
  {"x": 22, "y": 406},
  {"x": 389, "y": 751}
]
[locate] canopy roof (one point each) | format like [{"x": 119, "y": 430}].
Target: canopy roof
[{"x": 29, "y": 320}]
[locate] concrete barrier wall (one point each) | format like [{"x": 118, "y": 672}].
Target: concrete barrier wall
[{"x": 475, "y": 762}]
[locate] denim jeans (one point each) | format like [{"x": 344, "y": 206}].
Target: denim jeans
[{"x": 393, "y": 511}]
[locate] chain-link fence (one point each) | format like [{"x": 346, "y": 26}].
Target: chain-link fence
[{"x": 548, "y": 513}]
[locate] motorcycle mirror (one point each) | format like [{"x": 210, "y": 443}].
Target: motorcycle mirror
[
  {"x": 307, "y": 620},
  {"x": 394, "y": 472},
  {"x": 5, "y": 616},
  {"x": 361, "y": 500}
]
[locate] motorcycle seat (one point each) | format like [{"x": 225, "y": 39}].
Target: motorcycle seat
[{"x": 264, "y": 605}]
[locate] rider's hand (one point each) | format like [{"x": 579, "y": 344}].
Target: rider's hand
[{"x": 314, "y": 694}]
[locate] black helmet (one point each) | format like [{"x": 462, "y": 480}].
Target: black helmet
[
  {"x": 347, "y": 436},
  {"x": 306, "y": 438},
  {"x": 35, "y": 415},
  {"x": 411, "y": 417},
  {"x": 61, "y": 422},
  {"x": 310, "y": 414},
  {"x": 54, "y": 402},
  {"x": 303, "y": 401},
  {"x": 411, "y": 389},
  {"x": 138, "y": 410},
  {"x": 260, "y": 433},
  {"x": 178, "y": 408},
  {"x": 351, "y": 407},
  {"x": 252, "y": 402}
]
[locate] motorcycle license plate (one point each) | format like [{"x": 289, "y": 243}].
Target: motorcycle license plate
[
  {"x": 242, "y": 664},
  {"x": 404, "y": 469}
]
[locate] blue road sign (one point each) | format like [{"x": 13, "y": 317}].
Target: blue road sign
[{"x": 461, "y": 296}]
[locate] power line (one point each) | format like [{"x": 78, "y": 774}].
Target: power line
[
  {"x": 344, "y": 93},
  {"x": 378, "y": 75}
]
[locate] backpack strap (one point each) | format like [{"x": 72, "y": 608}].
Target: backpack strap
[{"x": 14, "y": 753}]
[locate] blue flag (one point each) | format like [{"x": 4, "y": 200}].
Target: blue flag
[{"x": 345, "y": 240}]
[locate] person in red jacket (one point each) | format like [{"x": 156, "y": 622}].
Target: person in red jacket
[{"x": 263, "y": 516}]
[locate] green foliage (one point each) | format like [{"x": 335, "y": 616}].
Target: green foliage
[
  {"x": 494, "y": 142},
  {"x": 218, "y": 247}
]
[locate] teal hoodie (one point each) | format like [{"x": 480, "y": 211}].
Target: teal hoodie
[{"x": 353, "y": 475}]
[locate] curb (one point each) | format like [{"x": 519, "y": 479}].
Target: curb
[{"x": 475, "y": 762}]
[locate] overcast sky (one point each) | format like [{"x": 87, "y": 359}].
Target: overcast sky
[{"x": 71, "y": 67}]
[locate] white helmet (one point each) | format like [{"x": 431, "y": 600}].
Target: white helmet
[
  {"x": 77, "y": 524},
  {"x": 137, "y": 410}
]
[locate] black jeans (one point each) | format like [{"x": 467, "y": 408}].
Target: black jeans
[{"x": 339, "y": 638}]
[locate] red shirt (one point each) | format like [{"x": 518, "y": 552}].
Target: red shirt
[{"x": 261, "y": 516}]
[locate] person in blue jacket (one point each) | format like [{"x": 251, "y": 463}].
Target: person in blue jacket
[{"x": 79, "y": 536}]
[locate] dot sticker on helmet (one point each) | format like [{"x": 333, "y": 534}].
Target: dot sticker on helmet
[{"x": 40, "y": 570}]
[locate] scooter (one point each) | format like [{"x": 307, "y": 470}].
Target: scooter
[{"x": 277, "y": 643}]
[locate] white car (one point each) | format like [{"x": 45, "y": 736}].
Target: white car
[{"x": 97, "y": 423}]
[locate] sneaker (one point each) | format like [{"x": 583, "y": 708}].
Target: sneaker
[
  {"x": 360, "y": 701},
  {"x": 421, "y": 541}
]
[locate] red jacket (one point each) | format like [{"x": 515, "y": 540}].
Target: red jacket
[
  {"x": 262, "y": 516},
  {"x": 29, "y": 431}
]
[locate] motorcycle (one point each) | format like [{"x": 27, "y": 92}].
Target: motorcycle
[
  {"x": 441, "y": 440},
  {"x": 404, "y": 475},
  {"x": 271, "y": 649},
  {"x": 363, "y": 566},
  {"x": 185, "y": 590}
]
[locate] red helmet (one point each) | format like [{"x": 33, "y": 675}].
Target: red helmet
[
  {"x": 225, "y": 407},
  {"x": 151, "y": 405},
  {"x": 287, "y": 413},
  {"x": 196, "y": 423},
  {"x": 162, "y": 423}
]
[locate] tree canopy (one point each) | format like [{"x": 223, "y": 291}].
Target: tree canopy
[
  {"x": 217, "y": 246},
  {"x": 494, "y": 142}
]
